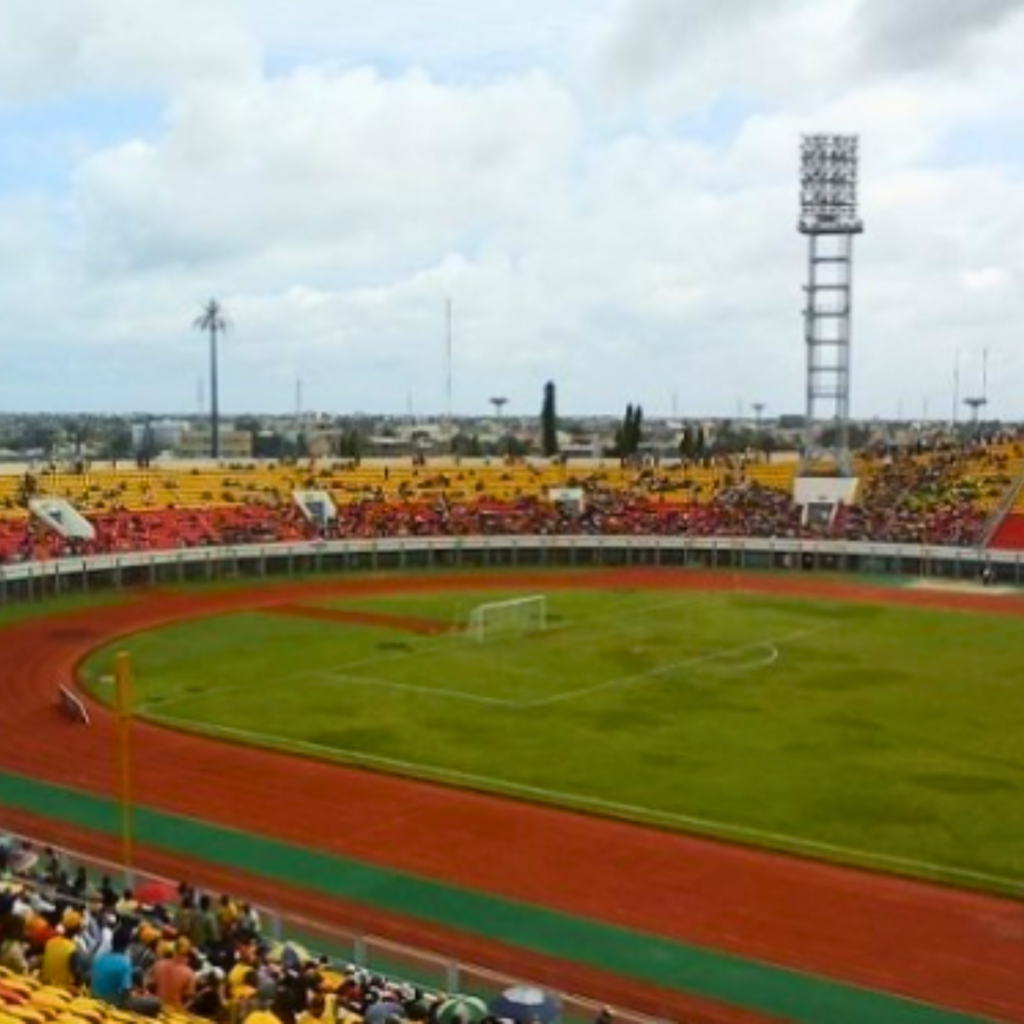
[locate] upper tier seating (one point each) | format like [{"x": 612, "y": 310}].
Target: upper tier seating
[{"x": 939, "y": 496}]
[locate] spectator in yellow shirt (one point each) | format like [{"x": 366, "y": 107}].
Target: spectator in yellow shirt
[{"x": 63, "y": 963}]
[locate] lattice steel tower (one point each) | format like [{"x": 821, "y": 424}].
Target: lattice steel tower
[{"x": 828, "y": 216}]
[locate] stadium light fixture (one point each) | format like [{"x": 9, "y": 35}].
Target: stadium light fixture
[
  {"x": 829, "y": 216},
  {"x": 828, "y": 185}
]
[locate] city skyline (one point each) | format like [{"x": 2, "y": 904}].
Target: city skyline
[{"x": 606, "y": 192}]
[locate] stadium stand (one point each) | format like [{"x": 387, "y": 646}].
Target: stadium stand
[
  {"x": 943, "y": 495},
  {"x": 190, "y": 957},
  {"x": 1008, "y": 531},
  {"x": 1010, "y": 535}
]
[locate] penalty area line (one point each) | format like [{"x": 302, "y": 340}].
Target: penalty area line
[
  {"x": 652, "y": 675},
  {"x": 779, "y": 843},
  {"x": 388, "y": 684}
]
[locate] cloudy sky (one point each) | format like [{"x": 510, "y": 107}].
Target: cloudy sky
[{"x": 605, "y": 189}]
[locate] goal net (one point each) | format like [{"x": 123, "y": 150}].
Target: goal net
[{"x": 499, "y": 618}]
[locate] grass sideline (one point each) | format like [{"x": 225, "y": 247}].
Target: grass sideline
[{"x": 866, "y": 740}]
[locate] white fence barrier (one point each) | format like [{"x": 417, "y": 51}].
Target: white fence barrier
[{"x": 32, "y": 580}]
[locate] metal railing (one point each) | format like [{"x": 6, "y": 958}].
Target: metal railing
[
  {"x": 429, "y": 970},
  {"x": 31, "y": 581}
]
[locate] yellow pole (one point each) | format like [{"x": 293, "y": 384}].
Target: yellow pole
[{"x": 124, "y": 704}]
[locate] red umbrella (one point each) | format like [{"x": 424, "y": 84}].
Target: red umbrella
[{"x": 155, "y": 891}]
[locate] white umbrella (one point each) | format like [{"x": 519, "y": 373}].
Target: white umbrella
[{"x": 523, "y": 1003}]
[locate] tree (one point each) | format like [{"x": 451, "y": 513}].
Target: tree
[
  {"x": 350, "y": 444},
  {"x": 701, "y": 445},
  {"x": 119, "y": 442},
  {"x": 622, "y": 433},
  {"x": 630, "y": 434},
  {"x": 466, "y": 445},
  {"x": 213, "y": 322},
  {"x": 549, "y": 421},
  {"x": 514, "y": 447},
  {"x": 147, "y": 449},
  {"x": 688, "y": 443}
]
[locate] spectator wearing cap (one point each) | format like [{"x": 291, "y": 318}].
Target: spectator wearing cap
[
  {"x": 63, "y": 961},
  {"x": 142, "y": 950},
  {"x": 174, "y": 981},
  {"x": 38, "y": 932}
]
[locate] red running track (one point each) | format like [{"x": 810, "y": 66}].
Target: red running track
[{"x": 957, "y": 949}]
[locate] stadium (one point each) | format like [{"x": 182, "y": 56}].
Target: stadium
[
  {"x": 453, "y": 703},
  {"x": 349, "y": 717}
]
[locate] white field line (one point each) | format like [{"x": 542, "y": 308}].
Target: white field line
[
  {"x": 153, "y": 710},
  {"x": 651, "y": 674},
  {"x": 740, "y": 833},
  {"x": 455, "y": 644},
  {"x": 388, "y": 684},
  {"x": 772, "y": 655},
  {"x": 330, "y": 677},
  {"x": 156, "y": 710},
  {"x": 457, "y": 639},
  {"x": 769, "y": 646}
]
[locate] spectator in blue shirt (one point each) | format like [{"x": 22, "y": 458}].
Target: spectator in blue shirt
[{"x": 113, "y": 982}]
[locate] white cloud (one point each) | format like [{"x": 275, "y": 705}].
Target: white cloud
[
  {"x": 49, "y": 48},
  {"x": 985, "y": 279},
  {"x": 920, "y": 34},
  {"x": 350, "y": 168},
  {"x": 678, "y": 56},
  {"x": 607, "y": 227}
]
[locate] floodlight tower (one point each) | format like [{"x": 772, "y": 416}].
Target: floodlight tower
[
  {"x": 978, "y": 403},
  {"x": 828, "y": 216}
]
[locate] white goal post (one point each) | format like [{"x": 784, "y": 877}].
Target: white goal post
[{"x": 517, "y": 615}]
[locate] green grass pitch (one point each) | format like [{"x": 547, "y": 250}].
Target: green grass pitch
[{"x": 883, "y": 735}]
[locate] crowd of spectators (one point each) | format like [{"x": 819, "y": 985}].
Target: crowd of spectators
[
  {"x": 936, "y": 497},
  {"x": 167, "y": 529},
  {"x": 912, "y": 499},
  {"x": 199, "y": 954}
]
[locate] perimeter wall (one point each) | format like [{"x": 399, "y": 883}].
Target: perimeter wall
[{"x": 35, "y": 580}]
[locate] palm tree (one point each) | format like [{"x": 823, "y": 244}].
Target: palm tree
[{"x": 213, "y": 321}]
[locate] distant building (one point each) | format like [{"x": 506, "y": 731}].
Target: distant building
[
  {"x": 165, "y": 435},
  {"x": 195, "y": 443}
]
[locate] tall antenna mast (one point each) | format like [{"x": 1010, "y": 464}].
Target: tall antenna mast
[
  {"x": 956, "y": 387},
  {"x": 448, "y": 386}
]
